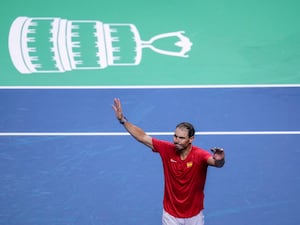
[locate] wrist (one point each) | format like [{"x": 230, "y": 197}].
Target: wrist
[
  {"x": 123, "y": 120},
  {"x": 219, "y": 163}
]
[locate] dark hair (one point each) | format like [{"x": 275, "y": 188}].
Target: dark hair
[{"x": 188, "y": 126}]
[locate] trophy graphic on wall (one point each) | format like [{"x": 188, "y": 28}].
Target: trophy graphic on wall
[{"x": 55, "y": 45}]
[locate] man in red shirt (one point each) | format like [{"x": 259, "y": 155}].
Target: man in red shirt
[{"x": 185, "y": 168}]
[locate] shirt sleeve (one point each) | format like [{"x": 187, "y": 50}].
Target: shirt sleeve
[
  {"x": 205, "y": 155},
  {"x": 160, "y": 146}
]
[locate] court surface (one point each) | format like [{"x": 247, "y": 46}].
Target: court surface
[
  {"x": 65, "y": 159},
  {"x": 231, "y": 68}
]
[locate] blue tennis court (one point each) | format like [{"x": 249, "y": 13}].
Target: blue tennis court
[
  {"x": 65, "y": 159},
  {"x": 231, "y": 68}
]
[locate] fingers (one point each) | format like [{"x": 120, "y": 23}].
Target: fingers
[
  {"x": 117, "y": 104},
  {"x": 217, "y": 150},
  {"x": 117, "y": 108},
  {"x": 114, "y": 106},
  {"x": 218, "y": 153}
]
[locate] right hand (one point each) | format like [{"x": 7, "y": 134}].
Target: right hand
[{"x": 118, "y": 108}]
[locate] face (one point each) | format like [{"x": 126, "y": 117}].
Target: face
[{"x": 181, "y": 139}]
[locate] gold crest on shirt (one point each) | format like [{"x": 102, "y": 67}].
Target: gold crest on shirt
[{"x": 189, "y": 164}]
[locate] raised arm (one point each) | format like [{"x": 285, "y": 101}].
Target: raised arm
[
  {"x": 218, "y": 158},
  {"x": 132, "y": 129}
]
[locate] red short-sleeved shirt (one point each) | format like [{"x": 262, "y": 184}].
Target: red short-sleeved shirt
[{"x": 184, "y": 179}]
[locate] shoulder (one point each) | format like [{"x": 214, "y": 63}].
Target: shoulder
[
  {"x": 201, "y": 153},
  {"x": 161, "y": 142},
  {"x": 158, "y": 145}
]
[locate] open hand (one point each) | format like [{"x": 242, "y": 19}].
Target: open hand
[
  {"x": 118, "y": 108},
  {"x": 218, "y": 153}
]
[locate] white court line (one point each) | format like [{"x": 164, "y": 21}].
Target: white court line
[
  {"x": 149, "y": 133},
  {"x": 157, "y": 86},
  {"x": 151, "y": 87}
]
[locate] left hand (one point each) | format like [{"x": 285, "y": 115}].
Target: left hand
[{"x": 218, "y": 153}]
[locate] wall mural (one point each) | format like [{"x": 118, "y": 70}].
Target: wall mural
[{"x": 56, "y": 45}]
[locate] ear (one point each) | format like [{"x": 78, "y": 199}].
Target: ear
[{"x": 192, "y": 139}]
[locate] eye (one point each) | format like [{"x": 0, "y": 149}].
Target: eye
[{"x": 179, "y": 137}]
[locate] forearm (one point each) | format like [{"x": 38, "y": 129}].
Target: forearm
[
  {"x": 138, "y": 133},
  {"x": 134, "y": 131}
]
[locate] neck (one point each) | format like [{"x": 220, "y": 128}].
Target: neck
[{"x": 185, "y": 152}]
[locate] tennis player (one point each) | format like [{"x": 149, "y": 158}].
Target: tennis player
[{"x": 185, "y": 168}]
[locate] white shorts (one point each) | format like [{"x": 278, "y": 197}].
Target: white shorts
[{"x": 168, "y": 219}]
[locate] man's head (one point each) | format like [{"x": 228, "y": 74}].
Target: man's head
[
  {"x": 183, "y": 136},
  {"x": 189, "y": 127}
]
